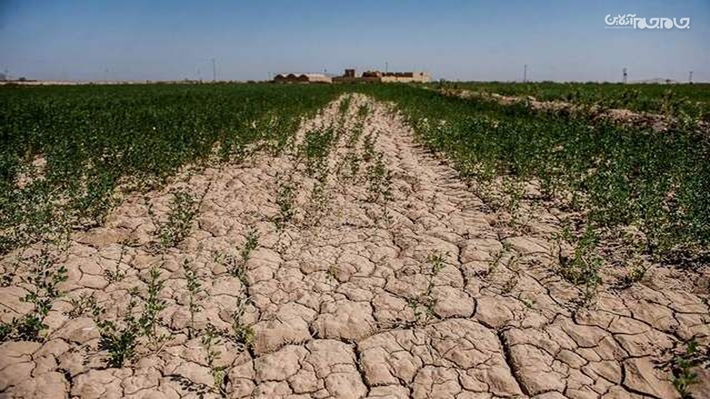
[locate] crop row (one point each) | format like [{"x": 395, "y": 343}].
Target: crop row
[
  {"x": 616, "y": 175},
  {"x": 66, "y": 149}
]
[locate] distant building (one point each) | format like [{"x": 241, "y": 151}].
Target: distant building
[
  {"x": 349, "y": 76},
  {"x": 383, "y": 77},
  {"x": 302, "y": 78}
]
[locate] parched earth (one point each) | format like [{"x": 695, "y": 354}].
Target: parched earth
[{"x": 391, "y": 280}]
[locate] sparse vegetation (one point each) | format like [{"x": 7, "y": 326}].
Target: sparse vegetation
[
  {"x": 85, "y": 305},
  {"x": 423, "y": 305},
  {"x": 182, "y": 210},
  {"x": 242, "y": 334},
  {"x": 684, "y": 364},
  {"x": 252, "y": 242},
  {"x": 194, "y": 291},
  {"x": 379, "y": 180},
  {"x": 95, "y": 139},
  {"x": 315, "y": 149},
  {"x": 584, "y": 266},
  {"x": 619, "y": 175},
  {"x": 42, "y": 286},
  {"x": 631, "y": 201},
  {"x": 210, "y": 338},
  {"x": 286, "y": 201},
  {"x": 121, "y": 338}
]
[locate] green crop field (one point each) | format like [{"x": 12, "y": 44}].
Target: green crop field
[
  {"x": 90, "y": 139},
  {"x": 236, "y": 223},
  {"x": 677, "y": 99},
  {"x": 621, "y": 175}
]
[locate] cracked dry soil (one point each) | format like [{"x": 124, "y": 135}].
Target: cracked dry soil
[{"x": 355, "y": 296}]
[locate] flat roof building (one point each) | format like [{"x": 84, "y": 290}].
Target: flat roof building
[
  {"x": 382, "y": 77},
  {"x": 302, "y": 78}
]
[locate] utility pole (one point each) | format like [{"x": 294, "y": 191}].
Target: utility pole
[
  {"x": 525, "y": 73},
  {"x": 690, "y": 77},
  {"x": 387, "y": 66},
  {"x": 625, "y": 77},
  {"x": 214, "y": 70}
]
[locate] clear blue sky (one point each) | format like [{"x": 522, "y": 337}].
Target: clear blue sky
[{"x": 452, "y": 39}]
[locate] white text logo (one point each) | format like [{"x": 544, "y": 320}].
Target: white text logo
[{"x": 629, "y": 21}]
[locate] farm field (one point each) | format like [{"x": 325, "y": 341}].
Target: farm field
[
  {"x": 673, "y": 99},
  {"x": 352, "y": 241}
]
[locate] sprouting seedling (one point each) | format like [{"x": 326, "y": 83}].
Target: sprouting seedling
[
  {"x": 85, "y": 304},
  {"x": 194, "y": 289},
  {"x": 242, "y": 334},
  {"x": 286, "y": 202},
  {"x": 183, "y": 209},
  {"x": 42, "y": 287},
  {"x": 210, "y": 338},
  {"x": 380, "y": 180},
  {"x": 252, "y": 242},
  {"x": 152, "y": 307}
]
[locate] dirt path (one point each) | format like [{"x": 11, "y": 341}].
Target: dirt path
[{"x": 390, "y": 280}]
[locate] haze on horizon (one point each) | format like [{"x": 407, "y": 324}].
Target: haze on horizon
[{"x": 451, "y": 39}]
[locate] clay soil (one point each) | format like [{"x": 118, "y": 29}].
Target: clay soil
[{"x": 420, "y": 292}]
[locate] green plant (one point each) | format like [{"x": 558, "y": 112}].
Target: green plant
[
  {"x": 380, "y": 180},
  {"x": 92, "y": 140},
  {"x": 194, "y": 291},
  {"x": 237, "y": 265},
  {"x": 509, "y": 285},
  {"x": 210, "y": 338},
  {"x": 120, "y": 339},
  {"x": 183, "y": 208},
  {"x": 497, "y": 258},
  {"x": 117, "y": 275},
  {"x": 368, "y": 147},
  {"x": 85, "y": 304},
  {"x": 423, "y": 305},
  {"x": 42, "y": 286},
  {"x": 242, "y": 334},
  {"x": 152, "y": 307},
  {"x": 252, "y": 242},
  {"x": 618, "y": 175},
  {"x": 286, "y": 202},
  {"x": 344, "y": 105},
  {"x": 114, "y": 276},
  {"x": 583, "y": 268},
  {"x": 635, "y": 272},
  {"x": 514, "y": 191},
  {"x": 315, "y": 148},
  {"x": 529, "y": 303},
  {"x": 332, "y": 273},
  {"x": 682, "y": 365}
]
